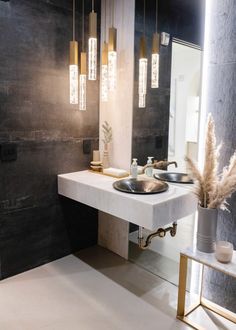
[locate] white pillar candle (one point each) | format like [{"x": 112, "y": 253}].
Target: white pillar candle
[
  {"x": 96, "y": 155},
  {"x": 224, "y": 251}
]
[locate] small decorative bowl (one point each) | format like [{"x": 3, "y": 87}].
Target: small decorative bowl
[{"x": 224, "y": 251}]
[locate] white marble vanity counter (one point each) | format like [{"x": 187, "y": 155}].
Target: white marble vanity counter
[{"x": 149, "y": 211}]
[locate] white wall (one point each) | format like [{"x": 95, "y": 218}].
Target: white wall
[{"x": 118, "y": 111}]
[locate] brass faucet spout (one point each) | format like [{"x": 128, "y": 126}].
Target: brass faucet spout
[
  {"x": 161, "y": 165},
  {"x": 174, "y": 163}
]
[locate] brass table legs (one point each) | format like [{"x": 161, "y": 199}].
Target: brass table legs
[{"x": 182, "y": 314}]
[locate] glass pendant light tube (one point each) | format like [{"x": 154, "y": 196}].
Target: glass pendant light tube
[
  {"x": 155, "y": 55},
  {"x": 142, "y": 100},
  {"x": 142, "y": 79},
  {"x": 112, "y": 55},
  {"x": 142, "y": 76},
  {"x": 143, "y": 64},
  {"x": 82, "y": 82},
  {"x": 104, "y": 69},
  {"x": 155, "y": 61},
  {"x": 104, "y": 87},
  {"x": 83, "y": 70},
  {"x": 73, "y": 67},
  {"x": 92, "y": 45}
]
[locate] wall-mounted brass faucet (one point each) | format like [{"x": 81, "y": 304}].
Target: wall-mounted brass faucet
[{"x": 160, "y": 165}]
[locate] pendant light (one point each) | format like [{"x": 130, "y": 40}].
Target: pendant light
[
  {"x": 92, "y": 45},
  {"x": 104, "y": 78},
  {"x": 74, "y": 68},
  {"x": 143, "y": 63},
  {"x": 105, "y": 72},
  {"x": 155, "y": 55},
  {"x": 83, "y": 70},
  {"x": 112, "y": 54}
]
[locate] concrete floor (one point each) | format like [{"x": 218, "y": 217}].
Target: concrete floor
[{"x": 95, "y": 290}]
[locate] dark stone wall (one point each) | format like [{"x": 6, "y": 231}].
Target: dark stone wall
[
  {"x": 221, "y": 100},
  {"x": 36, "y": 225},
  {"x": 183, "y": 19}
]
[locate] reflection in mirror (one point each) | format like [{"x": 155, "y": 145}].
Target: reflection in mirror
[
  {"x": 182, "y": 20},
  {"x": 168, "y": 126},
  {"x": 184, "y": 103}
]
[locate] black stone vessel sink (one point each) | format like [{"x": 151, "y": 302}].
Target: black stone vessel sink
[
  {"x": 140, "y": 186},
  {"x": 173, "y": 177}
]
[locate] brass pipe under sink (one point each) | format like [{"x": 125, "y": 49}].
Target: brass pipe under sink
[{"x": 160, "y": 232}]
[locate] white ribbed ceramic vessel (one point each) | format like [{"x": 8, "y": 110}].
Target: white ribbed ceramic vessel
[
  {"x": 206, "y": 229},
  {"x": 105, "y": 158}
]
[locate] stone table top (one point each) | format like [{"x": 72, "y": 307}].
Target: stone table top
[{"x": 210, "y": 260}]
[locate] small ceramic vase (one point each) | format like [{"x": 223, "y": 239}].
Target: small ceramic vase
[{"x": 105, "y": 159}]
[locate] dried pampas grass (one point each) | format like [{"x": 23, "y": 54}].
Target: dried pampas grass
[{"x": 213, "y": 189}]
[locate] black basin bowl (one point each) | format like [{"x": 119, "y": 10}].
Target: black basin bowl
[
  {"x": 140, "y": 186},
  {"x": 173, "y": 177}
]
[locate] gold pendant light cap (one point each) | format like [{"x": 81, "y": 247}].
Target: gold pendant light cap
[
  {"x": 105, "y": 53},
  {"x": 156, "y": 43},
  {"x": 93, "y": 25},
  {"x": 112, "y": 39},
  {"x": 83, "y": 60},
  {"x": 74, "y": 53},
  {"x": 143, "y": 48}
]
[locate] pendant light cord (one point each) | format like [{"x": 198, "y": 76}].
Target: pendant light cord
[
  {"x": 156, "y": 13},
  {"x": 73, "y": 20},
  {"x": 112, "y": 15},
  {"x": 83, "y": 25},
  {"x": 105, "y": 22},
  {"x": 144, "y": 16}
]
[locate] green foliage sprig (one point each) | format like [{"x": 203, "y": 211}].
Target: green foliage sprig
[{"x": 107, "y": 132}]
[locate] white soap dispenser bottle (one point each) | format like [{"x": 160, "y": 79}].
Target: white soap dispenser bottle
[
  {"x": 149, "y": 169},
  {"x": 134, "y": 169}
]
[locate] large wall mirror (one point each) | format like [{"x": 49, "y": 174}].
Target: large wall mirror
[
  {"x": 167, "y": 128},
  {"x": 184, "y": 108}
]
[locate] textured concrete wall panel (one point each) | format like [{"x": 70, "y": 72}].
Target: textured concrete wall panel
[{"x": 36, "y": 225}]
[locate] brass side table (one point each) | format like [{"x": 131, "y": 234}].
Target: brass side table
[{"x": 206, "y": 260}]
